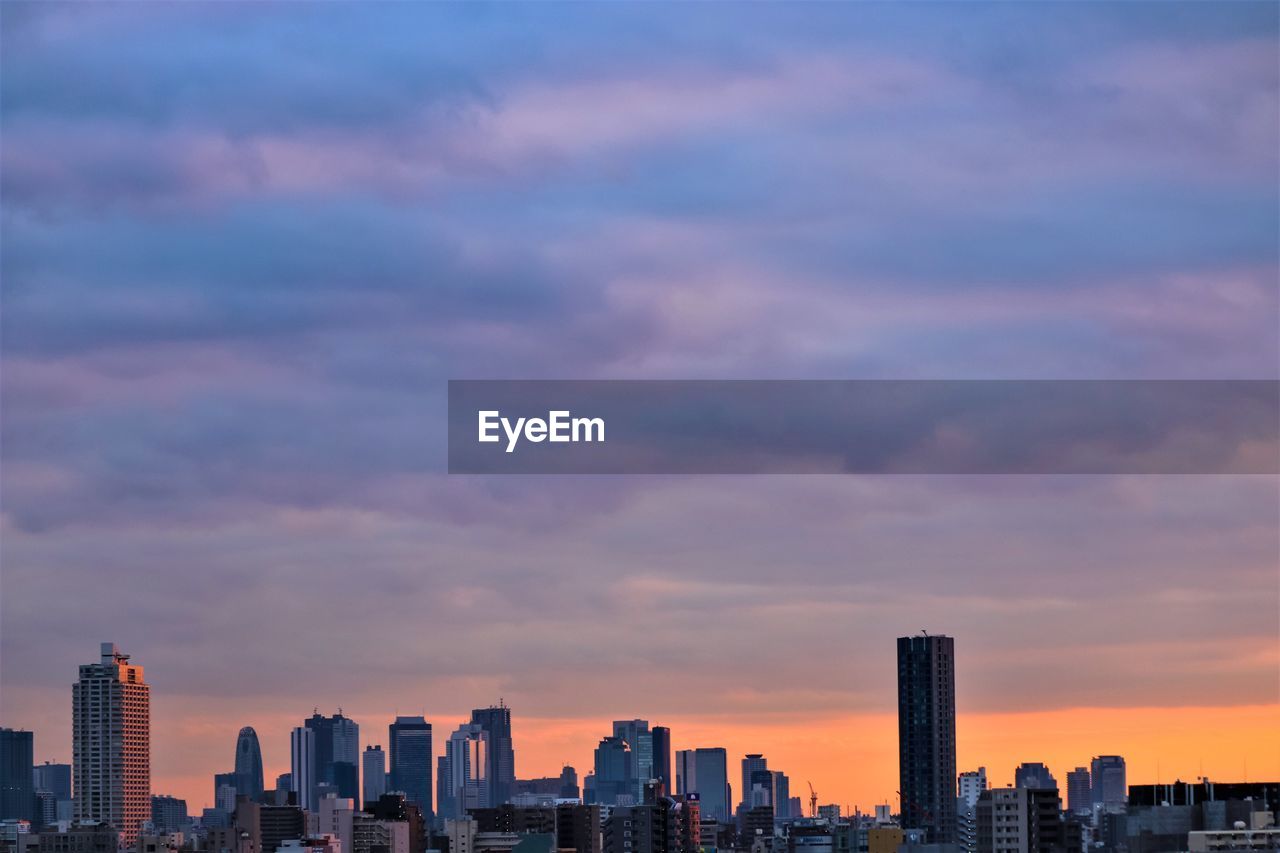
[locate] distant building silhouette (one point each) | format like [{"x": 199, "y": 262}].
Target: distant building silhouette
[
  {"x": 613, "y": 782},
  {"x": 337, "y": 753},
  {"x": 1079, "y": 790},
  {"x": 662, "y": 758},
  {"x": 17, "y": 775},
  {"x": 409, "y": 748},
  {"x": 1108, "y": 785},
  {"x": 249, "y": 764},
  {"x": 640, "y": 740},
  {"x": 1033, "y": 774},
  {"x": 500, "y": 760},
  {"x": 927, "y": 735},
  {"x": 303, "y": 777},
  {"x": 705, "y": 772},
  {"x": 373, "y": 769}
]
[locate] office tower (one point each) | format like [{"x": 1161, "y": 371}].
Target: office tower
[
  {"x": 569, "y": 789},
  {"x": 1033, "y": 774},
  {"x": 705, "y": 771},
  {"x": 752, "y": 764},
  {"x": 45, "y": 812},
  {"x": 1108, "y": 781},
  {"x": 466, "y": 762},
  {"x": 661, "y": 738},
  {"x": 638, "y": 736},
  {"x": 111, "y": 743},
  {"x": 169, "y": 814},
  {"x": 614, "y": 784},
  {"x": 54, "y": 778},
  {"x": 17, "y": 775},
  {"x": 1079, "y": 790},
  {"x": 927, "y": 735},
  {"x": 409, "y": 748},
  {"x": 500, "y": 763},
  {"x": 781, "y": 795},
  {"x": 374, "y": 770},
  {"x": 248, "y": 765},
  {"x": 1021, "y": 820},
  {"x": 302, "y": 776},
  {"x": 446, "y": 806},
  {"x": 337, "y": 753}
]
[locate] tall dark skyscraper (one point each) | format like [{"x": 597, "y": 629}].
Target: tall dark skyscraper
[
  {"x": 1079, "y": 790},
  {"x": 662, "y": 759},
  {"x": 409, "y": 748},
  {"x": 500, "y": 763},
  {"x": 927, "y": 735},
  {"x": 54, "y": 778},
  {"x": 17, "y": 760},
  {"x": 1108, "y": 775},
  {"x": 705, "y": 771},
  {"x": 337, "y": 753},
  {"x": 613, "y": 774},
  {"x": 752, "y": 763},
  {"x": 248, "y": 764}
]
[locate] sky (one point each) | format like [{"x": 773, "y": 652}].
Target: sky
[{"x": 244, "y": 248}]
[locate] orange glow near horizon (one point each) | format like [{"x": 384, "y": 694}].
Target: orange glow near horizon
[{"x": 851, "y": 760}]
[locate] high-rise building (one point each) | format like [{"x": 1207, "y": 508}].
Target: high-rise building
[
  {"x": 638, "y": 736},
  {"x": 500, "y": 763},
  {"x": 705, "y": 771},
  {"x": 374, "y": 770},
  {"x": 927, "y": 735},
  {"x": 54, "y": 778},
  {"x": 302, "y": 776},
  {"x": 168, "y": 814},
  {"x": 466, "y": 761},
  {"x": 409, "y": 748},
  {"x": 337, "y": 753},
  {"x": 1033, "y": 774},
  {"x": 613, "y": 782},
  {"x": 111, "y": 743},
  {"x": 781, "y": 795},
  {"x": 662, "y": 758},
  {"x": 755, "y": 768},
  {"x": 17, "y": 775},
  {"x": 1079, "y": 790},
  {"x": 446, "y": 806},
  {"x": 1107, "y": 773},
  {"x": 248, "y": 764}
]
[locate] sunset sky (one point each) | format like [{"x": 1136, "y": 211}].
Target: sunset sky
[{"x": 245, "y": 247}]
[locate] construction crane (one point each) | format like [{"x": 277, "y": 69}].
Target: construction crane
[{"x": 813, "y": 801}]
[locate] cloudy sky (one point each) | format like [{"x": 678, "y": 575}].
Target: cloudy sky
[{"x": 245, "y": 247}]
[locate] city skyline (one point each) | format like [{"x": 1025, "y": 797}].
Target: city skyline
[
  {"x": 993, "y": 769},
  {"x": 246, "y": 250}
]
